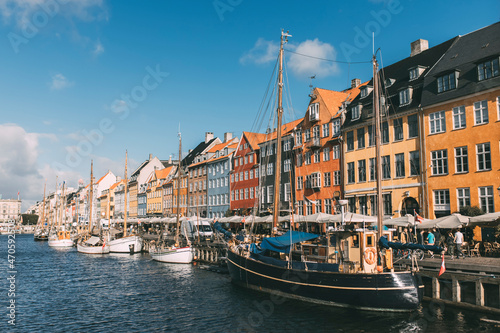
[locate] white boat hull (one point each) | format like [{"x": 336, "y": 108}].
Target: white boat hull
[
  {"x": 61, "y": 243},
  {"x": 122, "y": 245},
  {"x": 183, "y": 255},
  {"x": 99, "y": 249}
]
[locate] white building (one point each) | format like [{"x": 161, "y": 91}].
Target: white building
[{"x": 10, "y": 209}]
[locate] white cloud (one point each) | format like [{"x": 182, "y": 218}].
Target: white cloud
[
  {"x": 59, "y": 82},
  {"x": 23, "y": 11},
  {"x": 308, "y": 66},
  {"x": 98, "y": 49},
  {"x": 262, "y": 52},
  {"x": 19, "y": 166}
]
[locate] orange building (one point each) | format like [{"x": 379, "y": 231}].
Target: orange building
[{"x": 461, "y": 105}]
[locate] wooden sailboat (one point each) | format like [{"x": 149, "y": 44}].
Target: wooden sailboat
[
  {"x": 60, "y": 236},
  {"x": 127, "y": 243},
  {"x": 175, "y": 253},
  {"x": 88, "y": 243},
  {"x": 352, "y": 270},
  {"x": 41, "y": 233}
]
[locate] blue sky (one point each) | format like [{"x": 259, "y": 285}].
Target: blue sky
[{"x": 129, "y": 72}]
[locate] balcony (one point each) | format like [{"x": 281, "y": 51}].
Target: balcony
[{"x": 313, "y": 143}]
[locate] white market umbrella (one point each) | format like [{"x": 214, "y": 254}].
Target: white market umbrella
[
  {"x": 446, "y": 222},
  {"x": 319, "y": 218}
]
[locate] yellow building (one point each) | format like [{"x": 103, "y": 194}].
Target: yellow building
[
  {"x": 461, "y": 103},
  {"x": 154, "y": 191}
]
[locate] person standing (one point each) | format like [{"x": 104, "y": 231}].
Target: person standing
[
  {"x": 430, "y": 241},
  {"x": 450, "y": 243},
  {"x": 459, "y": 239}
]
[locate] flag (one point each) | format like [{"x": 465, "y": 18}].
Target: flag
[
  {"x": 418, "y": 218},
  {"x": 443, "y": 268}
]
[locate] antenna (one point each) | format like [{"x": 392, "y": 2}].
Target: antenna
[{"x": 313, "y": 96}]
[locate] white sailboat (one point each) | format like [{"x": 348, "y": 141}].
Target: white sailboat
[
  {"x": 61, "y": 237},
  {"x": 175, "y": 253},
  {"x": 127, "y": 243},
  {"x": 41, "y": 233},
  {"x": 88, "y": 243}
]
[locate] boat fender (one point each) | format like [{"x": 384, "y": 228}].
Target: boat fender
[{"x": 370, "y": 255}]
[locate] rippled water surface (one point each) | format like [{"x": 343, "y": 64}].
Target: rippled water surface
[{"x": 60, "y": 290}]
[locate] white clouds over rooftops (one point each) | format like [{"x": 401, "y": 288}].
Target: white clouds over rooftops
[{"x": 266, "y": 51}]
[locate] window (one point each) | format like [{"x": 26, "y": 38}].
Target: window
[
  {"x": 371, "y": 136},
  {"x": 318, "y": 206},
  {"x": 412, "y": 126},
  {"x": 308, "y": 157},
  {"x": 328, "y": 206},
  {"x": 325, "y": 128},
  {"x": 364, "y": 92},
  {"x": 300, "y": 207},
  {"x": 246, "y": 175},
  {"x": 315, "y": 130},
  {"x": 385, "y": 132},
  {"x": 387, "y": 204},
  {"x": 263, "y": 170},
  {"x": 326, "y": 154},
  {"x": 483, "y": 156},
  {"x": 287, "y": 145},
  {"x": 335, "y": 127},
  {"x": 481, "y": 112},
  {"x": 309, "y": 208},
  {"x": 486, "y": 199},
  {"x": 398, "y": 129},
  {"x": 414, "y": 163},
  {"x": 287, "y": 192},
  {"x": 287, "y": 165},
  {"x": 461, "y": 160},
  {"x": 316, "y": 156},
  {"x": 270, "y": 193},
  {"x": 327, "y": 181},
  {"x": 459, "y": 117},
  {"x": 350, "y": 140},
  {"x": 336, "y": 152},
  {"x": 400, "y": 165},
  {"x": 313, "y": 180},
  {"x": 350, "y": 172},
  {"x": 361, "y": 170},
  {"x": 336, "y": 178},
  {"x": 299, "y": 159},
  {"x": 439, "y": 160},
  {"x": 441, "y": 200},
  {"x": 237, "y": 177},
  {"x": 386, "y": 167},
  {"x": 446, "y": 82},
  {"x": 356, "y": 112},
  {"x": 257, "y": 173},
  {"x": 246, "y": 159},
  {"x": 298, "y": 137},
  {"x": 351, "y": 204},
  {"x": 251, "y": 192},
  {"x": 463, "y": 197},
  {"x": 373, "y": 169},
  {"x": 437, "y": 122},
  {"x": 246, "y": 193},
  {"x": 414, "y": 73},
  {"x": 487, "y": 69},
  {"x": 250, "y": 158},
  {"x": 314, "y": 112},
  {"x": 405, "y": 96},
  {"x": 307, "y": 135},
  {"x": 300, "y": 183},
  {"x": 361, "y": 138},
  {"x": 270, "y": 167}
]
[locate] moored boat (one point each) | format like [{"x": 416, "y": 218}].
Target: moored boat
[
  {"x": 93, "y": 245},
  {"x": 126, "y": 244}
]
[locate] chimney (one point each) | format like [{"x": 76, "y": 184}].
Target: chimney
[
  {"x": 355, "y": 83},
  {"x": 118, "y": 179},
  {"x": 228, "y": 136},
  {"x": 170, "y": 159},
  {"x": 418, "y": 46},
  {"x": 150, "y": 157},
  {"x": 208, "y": 136}
]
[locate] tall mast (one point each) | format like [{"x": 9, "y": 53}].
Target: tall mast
[
  {"x": 279, "y": 111},
  {"x": 91, "y": 194},
  {"x": 61, "y": 202},
  {"x": 178, "y": 191},
  {"x": 125, "y": 200},
  {"x": 378, "y": 142},
  {"x": 54, "y": 220},
  {"x": 43, "y": 209}
]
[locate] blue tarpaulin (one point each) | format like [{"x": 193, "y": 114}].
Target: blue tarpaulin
[
  {"x": 383, "y": 242},
  {"x": 282, "y": 243},
  {"x": 218, "y": 227}
]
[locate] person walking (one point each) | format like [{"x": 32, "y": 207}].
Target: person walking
[
  {"x": 450, "y": 244},
  {"x": 459, "y": 239}
]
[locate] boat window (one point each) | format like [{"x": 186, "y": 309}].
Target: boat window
[
  {"x": 355, "y": 241},
  {"x": 369, "y": 240}
]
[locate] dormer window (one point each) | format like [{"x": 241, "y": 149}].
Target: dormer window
[
  {"x": 415, "y": 72},
  {"x": 356, "y": 112},
  {"x": 405, "y": 96},
  {"x": 447, "y": 82},
  {"x": 314, "y": 112},
  {"x": 365, "y": 91},
  {"x": 488, "y": 69},
  {"x": 389, "y": 82}
]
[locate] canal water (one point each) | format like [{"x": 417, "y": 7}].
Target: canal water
[{"x": 61, "y": 290}]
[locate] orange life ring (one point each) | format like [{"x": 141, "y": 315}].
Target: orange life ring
[{"x": 370, "y": 256}]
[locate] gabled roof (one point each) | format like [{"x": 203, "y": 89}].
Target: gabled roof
[
  {"x": 285, "y": 130},
  {"x": 112, "y": 187},
  {"x": 463, "y": 56},
  {"x": 100, "y": 179},
  {"x": 400, "y": 73},
  {"x": 163, "y": 173},
  {"x": 254, "y": 139},
  {"x": 188, "y": 160}
]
